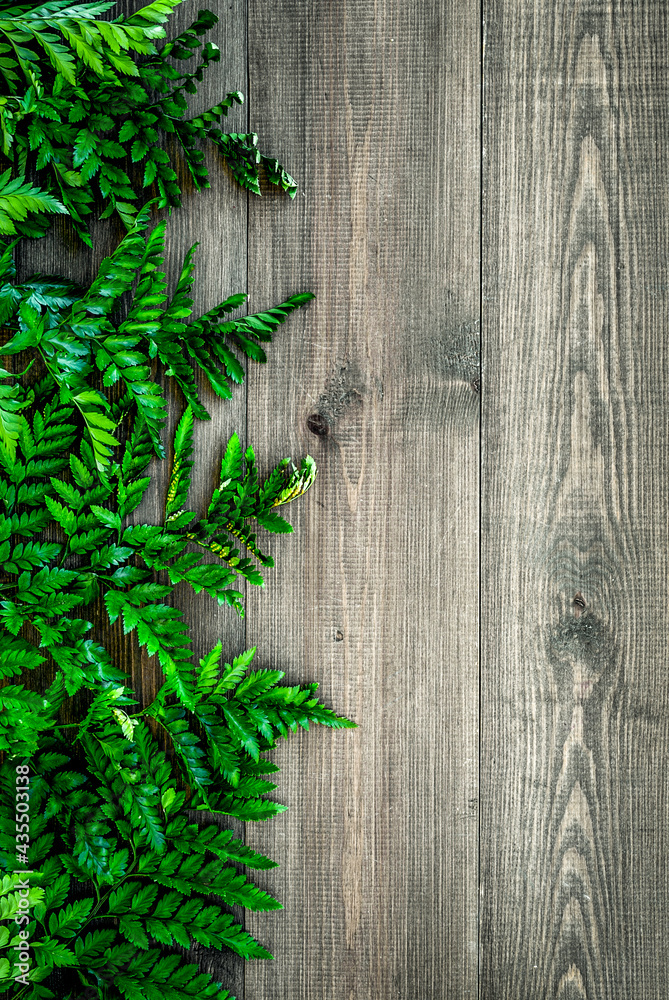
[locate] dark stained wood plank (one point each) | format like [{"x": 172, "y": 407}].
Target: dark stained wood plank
[
  {"x": 217, "y": 220},
  {"x": 575, "y": 691},
  {"x": 375, "y": 108}
]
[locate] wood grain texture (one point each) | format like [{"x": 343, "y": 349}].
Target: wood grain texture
[
  {"x": 375, "y": 108},
  {"x": 575, "y": 693}
]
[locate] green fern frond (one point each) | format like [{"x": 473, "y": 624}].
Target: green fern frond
[
  {"x": 177, "y": 491},
  {"x": 19, "y": 199},
  {"x": 75, "y": 39},
  {"x": 72, "y": 112},
  {"x": 120, "y": 875}
]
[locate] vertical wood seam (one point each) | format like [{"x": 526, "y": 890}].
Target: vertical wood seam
[
  {"x": 246, "y": 380},
  {"x": 480, "y": 505}
]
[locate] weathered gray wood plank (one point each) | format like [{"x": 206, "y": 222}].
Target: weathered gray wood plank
[
  {"x": 375, "y": 108},
  {"x": 575, "y": 693}
]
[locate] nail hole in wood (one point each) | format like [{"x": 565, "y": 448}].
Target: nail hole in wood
[{"x": 579, "y": 605}]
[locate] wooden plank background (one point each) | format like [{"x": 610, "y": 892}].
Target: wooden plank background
[
  {"x": 536, "y": 689},
  {"x": 575, "y": 688},
  {"x": 376, "y": 107}
]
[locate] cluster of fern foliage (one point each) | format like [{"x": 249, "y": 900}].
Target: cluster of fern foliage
[
  {"x": 107, "y": 878},
  {"x": 76, "y": 107}
]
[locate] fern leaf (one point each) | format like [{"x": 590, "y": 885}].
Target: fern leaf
[
  {"x": 157, "y": 12},
  {"x": 177, "y": 491},
  {"x": 67, "y": 922},
  {"x": 19, "y": 199}
]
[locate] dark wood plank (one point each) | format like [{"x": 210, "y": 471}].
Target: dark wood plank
[
  {"x": 217, "y": 220},
  {"x": 575, "y": 695},
  {"x": 375, "y": 108}
]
